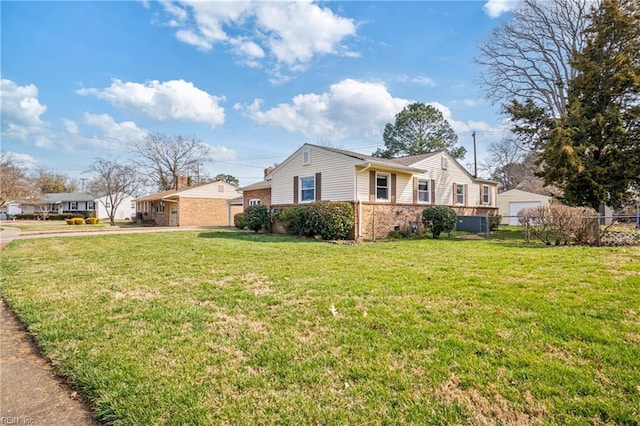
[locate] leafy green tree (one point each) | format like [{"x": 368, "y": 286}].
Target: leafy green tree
[
  {"x": 419, "y": 129},
  {"x": 593, "y": 153},
  {"x": 230, "y": 179}
]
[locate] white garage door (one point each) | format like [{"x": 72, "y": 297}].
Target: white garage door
[{"x": 514, "y": 208}]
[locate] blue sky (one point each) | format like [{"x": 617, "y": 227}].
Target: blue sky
[{"x": 254, "y": 80}]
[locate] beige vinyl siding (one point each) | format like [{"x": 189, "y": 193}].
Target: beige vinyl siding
[
  {"x": 363, "y": 185},
  {"x": 211, "y": 190},
  {"x": 444, "y": 180},
  {"x": 404, "y": 188},
  {"x": 337, "y": 182}
]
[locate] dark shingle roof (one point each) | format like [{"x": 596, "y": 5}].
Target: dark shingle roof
[{"x": 402, "y": 161}]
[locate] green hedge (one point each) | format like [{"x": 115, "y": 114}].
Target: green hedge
[{"x": 331, "y": 220}]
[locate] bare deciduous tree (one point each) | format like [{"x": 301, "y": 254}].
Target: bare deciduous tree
[
  {"x": 164, "y": 158},
  {"x": 528, "y": 57},
  {"x": 115, "y": 182},
  {"x": 14, "y": 181}
]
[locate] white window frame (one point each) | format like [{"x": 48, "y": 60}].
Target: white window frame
[
  {"x": 159, "y": 207},
  {"x": 73, "y": 205},
  {"x": 459, "y": 194},
  {"x": 445, "y": 163},
  {"x": 486, "y": 194},
  {"x": 306, "y": 157},
  {"x": 91, "y": 205},
  {"x": 220, "y": 188},
  {"x": 422, "y": 191},
  {"x": 254, "y": 202},
  {"x": 388, "y": 187},
  {"x": 302, "y": 189}
]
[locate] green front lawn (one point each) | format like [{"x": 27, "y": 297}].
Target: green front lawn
[{"x": 225, "y": 327}]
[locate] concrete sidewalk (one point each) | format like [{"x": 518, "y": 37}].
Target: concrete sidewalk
[{"x": 30, "y": 392}]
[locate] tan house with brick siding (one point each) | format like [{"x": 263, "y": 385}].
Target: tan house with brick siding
[
  {"x": 387, "y": 194},
  {"x": 200, "y": 205}
]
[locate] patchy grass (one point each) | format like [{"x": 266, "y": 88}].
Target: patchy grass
[{"x": 225, "y": 327}]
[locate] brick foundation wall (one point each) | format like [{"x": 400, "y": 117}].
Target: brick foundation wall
[{"x": 378, "y": 220}]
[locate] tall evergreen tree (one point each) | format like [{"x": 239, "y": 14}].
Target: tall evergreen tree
[
  {"x": 419, "y": 128},
  {"x": 594, "y": 152}
]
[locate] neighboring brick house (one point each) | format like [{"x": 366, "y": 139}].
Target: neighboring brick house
[
  {"x": 258, "y": 193},
  {"x": 200, "y": 205},
  {"x": 387, "y": 194}
]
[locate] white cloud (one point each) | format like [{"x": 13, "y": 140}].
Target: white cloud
[
  {"x": 421, "y": 80},
  {"x": 495, "y": 8},
  {"x": 24, "y": 160},
  {"x": 349, "y": 108},
  {"x": 222, "y": 153},
  {"x": 284, "y": 33},
  {"x": 21, "y": 111},
  {"x": 174, "y": 99},
  {"x": 119, "y": 133},
  {"x": 71, "y": 126},
  {"x": 465, "y": 127}
]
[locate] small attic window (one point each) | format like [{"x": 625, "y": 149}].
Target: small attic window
[
  {"x": 220, "y": 188},
  {"x": 306, "y": 157},
  {"x": 445, "y": 163}
]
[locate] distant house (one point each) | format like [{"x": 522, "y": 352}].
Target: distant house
[
  {"x": 10, "y": 210},
  {"x": 200, "y": 205},
  {"x": 512, "y": 201},
  {"x": 126, "y": 209},
  {"x": 387, "y": 194},
  {"x": 62, "y": 203}
]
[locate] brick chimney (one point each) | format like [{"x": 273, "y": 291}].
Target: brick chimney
[
  {"x": 268, "y": 170},
  {"x": 182, "y": 183}
]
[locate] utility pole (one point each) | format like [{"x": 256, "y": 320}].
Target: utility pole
[{"x": 475, "y": 159}]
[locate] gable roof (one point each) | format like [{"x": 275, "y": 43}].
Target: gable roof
[
  {"x": 61, "y": 197},
  {"x": 171, "y": 193},
  {"x": 403, "y": 161},
  {"x": 263, "y": 184}
]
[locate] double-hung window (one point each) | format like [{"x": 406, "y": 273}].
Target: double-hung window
[
  {"x": 307, "y": 189},
  {"x": 254, "y": 202},
  {"x": 424, "y": 193},
  {"x": 73, "y": 205},
  {"x": 459, "y": 194},
  {"x": 382, "y": 187},
  {"x": 91, "y": 205},
  {"x": 486, "y": 198}
]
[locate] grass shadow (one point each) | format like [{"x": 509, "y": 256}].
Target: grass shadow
[{"x": 253, "y": 237}]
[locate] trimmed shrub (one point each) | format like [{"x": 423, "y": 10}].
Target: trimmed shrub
[
  {"x": 331, "y": 220},
  {"x": 294, "y": 220},
  {"x": 75, "y": 221},
  {"x": 240, "y": 220},
  {"x": 439, "y": 219},
  {"x": 257, "y": 217},
  {"x": 91, "y": 220}
]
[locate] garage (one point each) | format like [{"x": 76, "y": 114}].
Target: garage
[
  {"x": 515, "y": 207},
  {"x": 512, "y": 201}
]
